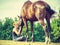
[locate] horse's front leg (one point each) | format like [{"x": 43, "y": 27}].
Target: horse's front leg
[
  {"x": 25, "y": 23},
  {"x": 32, "y": 31},
  {"x": 21, "y": 26}
]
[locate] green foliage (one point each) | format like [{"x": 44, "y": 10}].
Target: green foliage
[
  {"x": 7, "y": 26},
  {"x": 56, "y": 30},
  {"x": 38, "y": 32},
  {"x": 6, "y": 29}
]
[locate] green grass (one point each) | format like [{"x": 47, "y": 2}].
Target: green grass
[{"x": 10, "y": 42}]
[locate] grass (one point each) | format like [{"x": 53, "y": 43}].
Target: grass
[{"x": 10, "y": 42}]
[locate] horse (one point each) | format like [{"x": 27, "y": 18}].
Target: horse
[{"x": 36, "y": 11}]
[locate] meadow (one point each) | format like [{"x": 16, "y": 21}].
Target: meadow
[{"x": 10, "y": 42}]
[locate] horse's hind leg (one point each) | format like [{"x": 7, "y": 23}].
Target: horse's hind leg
[
  {"x": 49, "y": 29},
  {"x": 25, "y": 23},
  {"x": 44, "y": 27},
  {"x": 32, "y": 31}
]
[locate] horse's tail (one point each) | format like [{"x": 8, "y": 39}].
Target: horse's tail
[{"x": 50, "y": 11}]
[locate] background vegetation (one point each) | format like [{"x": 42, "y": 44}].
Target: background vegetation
[{"x": 6, "y": 27}]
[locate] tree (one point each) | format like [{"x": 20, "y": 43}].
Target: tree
[
  {"x": 7, "y": 27},
  {"x": 56, "y": 30}
]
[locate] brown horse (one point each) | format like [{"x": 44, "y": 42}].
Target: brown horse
[{"x": 37, "y": 11}]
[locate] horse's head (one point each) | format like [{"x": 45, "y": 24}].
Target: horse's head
[{"x": 20, "y": 20}]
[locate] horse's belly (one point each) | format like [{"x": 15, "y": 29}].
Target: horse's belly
[{"x": 32, "y": 18}]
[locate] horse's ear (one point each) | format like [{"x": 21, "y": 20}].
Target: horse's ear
[{"x": 20, "y": 17}]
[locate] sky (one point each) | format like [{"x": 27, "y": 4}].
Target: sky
[{"x": 12, "y": 8}]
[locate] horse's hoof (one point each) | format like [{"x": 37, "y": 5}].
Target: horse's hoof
[
  {"x": 49, "y": 42},
  {"x": 46, "y": 43}
]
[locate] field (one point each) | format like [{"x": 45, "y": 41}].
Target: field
[{"x": 9, "y": 42}]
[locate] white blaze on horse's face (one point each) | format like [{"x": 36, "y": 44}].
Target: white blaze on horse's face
[
  {"x": 20, "y": 20},
  {"x": 38, "y": 9}
]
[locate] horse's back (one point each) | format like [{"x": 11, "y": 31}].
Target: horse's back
[{"x": 28, "y": 10}]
